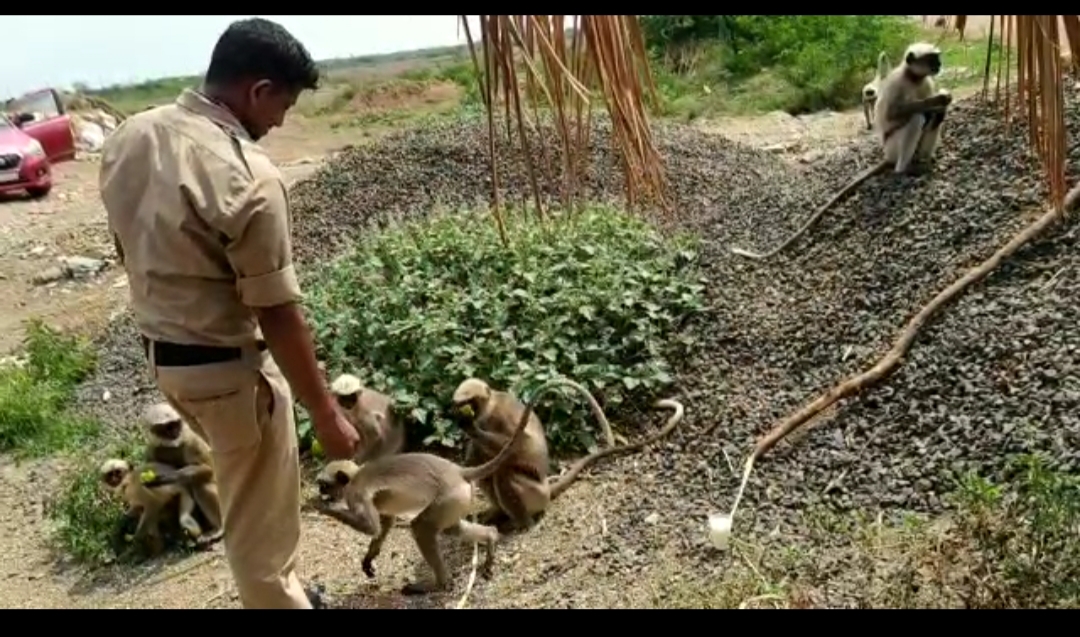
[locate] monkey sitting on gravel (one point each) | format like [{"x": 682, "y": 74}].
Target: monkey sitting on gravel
[{"x": 907, "y": 117}]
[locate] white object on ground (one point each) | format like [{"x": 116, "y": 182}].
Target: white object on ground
[{"x": 91, "y": 136}]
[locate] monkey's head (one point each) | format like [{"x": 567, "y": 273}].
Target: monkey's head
[
  {"x": 113, "y": 471},
  {"x": 470, "y": 398},
  {"x": 922, "y": 59},
  {"x": 334, "y": 477},
  {"x": 346, "y": 389},
  {"x": 164, "y": 423},
  {"x": 869, "y": 92}
]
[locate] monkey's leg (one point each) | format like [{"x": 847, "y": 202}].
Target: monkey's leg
[
  {"x": 931, "y": 135},
  {"x": 147, "y": 534},
  {"x": 515, "y": 493},
  {"x": 481, "y": 534},
  {"x": 493, "y": 513},
  {"x": 206, "y": 496},
  {"x": 386, "y": 523},
  {"x": 907, "y": 142},
  {"x": 187, "y": 520},
  {"x": 426, "y": 536}
]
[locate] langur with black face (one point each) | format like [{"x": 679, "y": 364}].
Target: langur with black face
[{"x": 907, "y": 118}]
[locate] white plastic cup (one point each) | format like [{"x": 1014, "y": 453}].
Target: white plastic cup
[{"x": 720, "y": 530}]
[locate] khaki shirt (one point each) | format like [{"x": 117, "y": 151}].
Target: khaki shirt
[{"x": 201, "y": 220}]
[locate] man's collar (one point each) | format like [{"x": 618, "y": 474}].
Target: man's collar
[{"x": 196, "y": 102}]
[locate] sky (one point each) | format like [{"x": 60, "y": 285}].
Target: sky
[{"x": 56, "y": 51}]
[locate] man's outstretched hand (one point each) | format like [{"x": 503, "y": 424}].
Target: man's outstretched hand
[{"x": 338, "y": 438}]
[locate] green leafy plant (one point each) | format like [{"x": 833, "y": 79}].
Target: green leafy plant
[
  {"x": 35, "y": 393},
  {"x": 799, "y": 63},
  {"x": 416, "y": 309}
]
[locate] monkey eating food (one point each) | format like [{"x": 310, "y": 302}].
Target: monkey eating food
[
  {"x": 520, "y": 491},
  {"x": 378, "y": 491},
  {"x": 908, "y": 115},
  {"x": 372, "y": 414},
  {"x": 174, "y": 444},
  {"x": 147, "y": 490}
]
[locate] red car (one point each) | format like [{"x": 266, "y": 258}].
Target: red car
[{"x": 34, "y": 134}]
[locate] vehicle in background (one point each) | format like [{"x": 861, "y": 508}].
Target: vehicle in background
[{"x": 35, "y": 133}]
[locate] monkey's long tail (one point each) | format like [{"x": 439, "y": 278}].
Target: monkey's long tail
[
  {"x": 560, "y": 484},
  {"x": 844, "y": 192},
  {"x": 594, "y": 406},
  {"x": 882, "y": 65}
]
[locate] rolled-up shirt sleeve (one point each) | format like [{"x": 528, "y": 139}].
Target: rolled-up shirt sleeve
[{"x": 259, "y": 245}]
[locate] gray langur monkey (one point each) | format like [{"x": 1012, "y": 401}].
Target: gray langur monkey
[
  {"x": 870, "y": 89},
  {"x": 175, "y": 444},
  {"x": 520, "y": 492},
  {"x": 371, "y": 413},
  {"x": 907, "y": 118}
]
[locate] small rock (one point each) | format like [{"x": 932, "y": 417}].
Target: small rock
[
  {"x": 652, "y": 518},
  {"x": 106, "y": 396},
  {"x": 49, "y": 275}
]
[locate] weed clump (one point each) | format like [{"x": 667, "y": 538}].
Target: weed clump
[
  {"x": 597, "y": 296},
  {"x": 35, "y": 392}
]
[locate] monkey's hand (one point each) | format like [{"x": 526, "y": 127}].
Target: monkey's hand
[
  {"x": 942, "y": 99},
  {"x": 314, "y": 503}
]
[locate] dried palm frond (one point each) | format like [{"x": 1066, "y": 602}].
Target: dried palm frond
[
  {"x": 605, "y": 58},
  {"x": 1041, "y": 67}
]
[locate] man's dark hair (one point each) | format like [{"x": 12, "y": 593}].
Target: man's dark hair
[{"x": 257, "y": 49}]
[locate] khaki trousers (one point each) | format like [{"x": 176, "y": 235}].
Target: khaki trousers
[{"x": 244, "y": 410}]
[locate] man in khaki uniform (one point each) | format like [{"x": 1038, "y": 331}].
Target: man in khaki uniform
[{"x": 201, "y": 223}]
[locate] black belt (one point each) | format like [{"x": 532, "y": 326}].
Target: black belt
[{"x": 177, "y": 355}]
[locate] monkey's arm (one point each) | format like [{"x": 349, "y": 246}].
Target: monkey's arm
[
  {"x": 365, "y": 526},
  {"x": 488, "y": 442},
  {"x": 188, "y": 476},
  {"x": 904, "y": 110}
]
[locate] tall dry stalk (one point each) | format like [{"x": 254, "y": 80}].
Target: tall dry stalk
[
  {"x": 604, "y": 59},
  {"x": 1040, "y": 42}
]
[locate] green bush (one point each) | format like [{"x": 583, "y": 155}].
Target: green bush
[
  {"x": 34, "y": 395},
  {"x": 598, "y": 297},
  {"x": 823, "y": 60}
]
